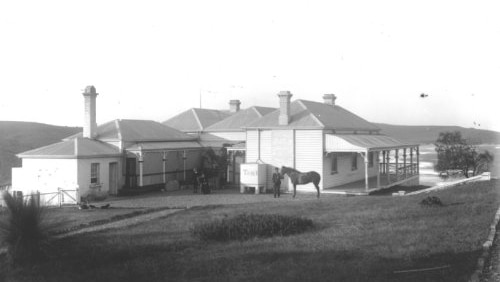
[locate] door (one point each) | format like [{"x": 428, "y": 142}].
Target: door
[
  {"x": 113, "y": 178},
  {"x": 130, "y": 173}
]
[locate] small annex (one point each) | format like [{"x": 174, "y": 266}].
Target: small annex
[{"x": 120, "y": 156}]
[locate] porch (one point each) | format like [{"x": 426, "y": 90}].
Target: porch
[{"x": 396, "y": 162}]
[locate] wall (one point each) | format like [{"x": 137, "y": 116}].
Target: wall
[
  {"x": 45, "y": 175},
  {"x": 252, "y": 146},
  {"x": 84, "y": 176},
  {"x": 309, "y": 154},
  {"x": 345, "y": 174}
]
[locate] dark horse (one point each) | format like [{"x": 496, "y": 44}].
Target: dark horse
[{"x": 299, "y": 178}]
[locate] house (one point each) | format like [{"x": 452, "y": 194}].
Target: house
[
  {"x": 348, "y": 151},
  {"x": 115, "y": 157},
  {"x": 195, "y": 120},
  {"x": 230, "y": 131}
]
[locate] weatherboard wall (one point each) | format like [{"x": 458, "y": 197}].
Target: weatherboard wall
[
  {"x": 344, "y": 173},
  {"x": 309, "y": 154}
]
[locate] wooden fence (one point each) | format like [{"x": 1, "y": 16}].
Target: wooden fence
[{"x": 59, "y": 198}]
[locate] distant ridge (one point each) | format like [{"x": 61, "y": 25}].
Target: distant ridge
[
  {"x": 17, "y": 137},
  {"x": 426, "y": 134}
]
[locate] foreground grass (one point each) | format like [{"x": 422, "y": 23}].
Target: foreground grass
[{"x": 356, "y": 239}]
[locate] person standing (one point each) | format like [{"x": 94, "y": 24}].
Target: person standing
[{"x": 277, "y": 182}]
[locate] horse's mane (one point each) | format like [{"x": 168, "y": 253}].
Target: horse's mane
[{"x": 290, "y": 169}]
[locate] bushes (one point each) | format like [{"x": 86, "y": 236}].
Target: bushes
[
  {"x": 22, "y": 229},
  {"x": 431, "y": 201},
  {"x": 247, "y": 226}
]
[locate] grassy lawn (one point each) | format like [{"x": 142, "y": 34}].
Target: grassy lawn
[{"x": 354, "y": 239}]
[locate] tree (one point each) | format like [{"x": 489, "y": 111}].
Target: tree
[{"x": 454, "y": 153}]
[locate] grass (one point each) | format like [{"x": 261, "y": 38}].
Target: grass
[
  {"x": 247, "y": 226},
  {"x": 355, "y": 239}
]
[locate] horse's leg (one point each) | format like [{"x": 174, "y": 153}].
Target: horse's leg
[
  {"x": 294, "y": 189},
  {"x": 317, "y": 188}
]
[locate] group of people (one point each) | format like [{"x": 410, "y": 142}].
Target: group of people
[{"x": 200, "y": 183}]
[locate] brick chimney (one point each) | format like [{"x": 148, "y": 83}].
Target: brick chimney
[
  {"x": 234, "y": 106},
  {"x": 329, "y": 99},
  {"x": 89, "y": 124},
  {"x": 284, "y": 117}
]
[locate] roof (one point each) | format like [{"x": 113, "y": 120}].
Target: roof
[
  {"x": 75, "y": 148},
  {"x": 314, "y": 115},
  {"x": 240, "y": 119},
  {"x": 163, "y": 146},
  {"x": 210, "y": 140},
  {"x": 196, "y": 119},
  {"x": 129, "y": 130},
  {"x": 357, "y": 142}
]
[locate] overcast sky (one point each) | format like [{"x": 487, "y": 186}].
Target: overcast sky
[{"x": 152, "y": 59}]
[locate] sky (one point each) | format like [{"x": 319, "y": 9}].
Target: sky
[{"x": 154, "y": 59}]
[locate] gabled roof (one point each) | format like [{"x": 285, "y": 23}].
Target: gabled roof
[
  {"x": 129, "y": 130},
  {"x": 75, "y": 148},
  {"x": 196, "y": 119},
  {"x": 314, "y": 115},
  {"x": 240, "y": 119}
]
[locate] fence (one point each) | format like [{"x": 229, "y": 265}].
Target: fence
[{"x": 60, "y": 198}]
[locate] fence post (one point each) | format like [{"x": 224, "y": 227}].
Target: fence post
[{"x": 59, "y": 196}]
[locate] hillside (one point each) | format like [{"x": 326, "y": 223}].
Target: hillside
[
  {"x": 428, "y": 134},
  {"x": 17, "y": 137}
]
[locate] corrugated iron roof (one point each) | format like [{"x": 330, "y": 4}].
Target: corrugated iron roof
[
  {"x": 357, "y": 142},
  {"x": 196, "y": 119},
  {"x": 73, "y": 149},
  {"x": 309, "y": 114},
  {"x": 161, "y": 146},
  {"x": 239, "y": 119},
  {"x": 129, "y": 130}
]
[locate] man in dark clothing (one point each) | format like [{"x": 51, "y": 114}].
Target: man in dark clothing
[{"x": 277, "y": 182}]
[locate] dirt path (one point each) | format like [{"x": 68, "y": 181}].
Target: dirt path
[{"x": 121, "y": 223}]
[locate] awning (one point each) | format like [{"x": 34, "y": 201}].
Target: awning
[
  {"x": 362, "y": 143},
  {"x": 165, "y": 146}
]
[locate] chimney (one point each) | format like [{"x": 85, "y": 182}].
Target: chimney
[
  {"x": 284, "y": 117},
  {"x": 90, "y": 125},
  {"x": 234, "y": 106},
  {"x": 329, "y": 99}
]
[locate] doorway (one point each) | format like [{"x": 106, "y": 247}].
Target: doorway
[{"x": 113, "y": 178}]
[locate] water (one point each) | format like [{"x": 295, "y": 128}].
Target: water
[{"x": 428, "y": 158}]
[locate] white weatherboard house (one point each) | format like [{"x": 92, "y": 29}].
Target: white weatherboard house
[
  {"x": 347, "y": 151},
  {"x": 117, "y": 156}
]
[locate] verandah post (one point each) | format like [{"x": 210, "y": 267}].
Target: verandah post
[
  {"x": 366, "y": 170},
  {"x": 387, "y": 167},
  {"x": 404, "y": 162},
  {"x": 378, "y": 170}
]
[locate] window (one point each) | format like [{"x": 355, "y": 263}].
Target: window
[
  {"x": 370, "y": 159},
  {"x": 94, "y": 173},
  {"x": 334, "y": 164},
  {"x": 354, "y": 161}
]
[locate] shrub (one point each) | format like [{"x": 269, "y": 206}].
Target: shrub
[
  {"x": 431, "y": 201},
  {"x": 247, "y": 226},
  {"x": 22, "y": 229}
]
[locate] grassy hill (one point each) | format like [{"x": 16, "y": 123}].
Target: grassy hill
[
  {"x": 423, "y": 134},
  {"x": 17, "y": 137}
]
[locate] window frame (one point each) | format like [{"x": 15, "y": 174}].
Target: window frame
[
  {"x": 334, "y": 169},
  {"x": 354, "y": 161},
  {"x": 95, "y": 174}
]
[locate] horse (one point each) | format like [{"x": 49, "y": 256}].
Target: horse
[{"x": 299, "y": 178}]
